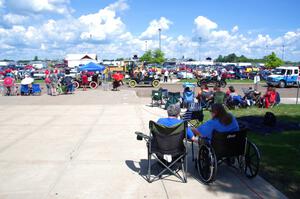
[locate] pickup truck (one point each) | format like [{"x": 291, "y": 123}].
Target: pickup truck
[{"x": 284, "y": 76}]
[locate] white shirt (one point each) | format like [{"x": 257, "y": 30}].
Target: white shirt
[
  {"x": 256, "y": 79},
  {"x": 166, "y": 73}
]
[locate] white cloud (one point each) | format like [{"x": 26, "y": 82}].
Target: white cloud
[
  {"x": 2, "y": 3},
  {"x": 38, "y": 6},
  {"x": 204, "y": 26},
  {"x": 105, "y": 33},
  {"x": 14, "y": 18},
  {"x": 152, "y": 30},
  {"x": 235, "y": 29}
]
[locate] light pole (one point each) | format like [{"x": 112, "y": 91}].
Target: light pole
[
  {"x": 159, "y": 38},
  {"x": 283, "y": 52},
  {"x": 146, "y": 45},
  {"x": 200, "y": 39}
]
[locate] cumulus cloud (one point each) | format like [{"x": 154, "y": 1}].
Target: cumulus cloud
[
  {"x": 152, "y": 30},
  {"x": 204, "y": 26},
  {"x": 235, "y": 29},
  {"x": 14, "y": 19},
  {"x": 38, "y": 6},
  {"x": 104, "y": 32},
  {"x": 1, "y": 3}
]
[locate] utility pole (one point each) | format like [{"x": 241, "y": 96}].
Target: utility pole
[
  {"x": 159, "y": 38},
  {"x": 200, "y": 39}
]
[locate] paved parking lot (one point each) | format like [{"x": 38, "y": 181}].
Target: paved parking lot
[{"x": 83, "y": 146}]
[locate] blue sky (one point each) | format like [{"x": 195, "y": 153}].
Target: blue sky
[{"x": 119, "y": 28}]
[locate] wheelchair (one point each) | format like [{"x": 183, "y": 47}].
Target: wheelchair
[{"x": 233, "y": 148}]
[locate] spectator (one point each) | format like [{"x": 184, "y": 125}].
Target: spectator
[
  {"x": 85, "y": 81},
  {"x": 166, "y": 75},
  {"x": 173, "y": 113},
  {"x": 48, "y": 83},
  {"x": 218, "y": 96},
  {"x": 221, "y": 121},
  {"x": 54, "y": 81}
]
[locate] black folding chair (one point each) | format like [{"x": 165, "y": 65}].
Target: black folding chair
[{"x": 168, "y": 147}]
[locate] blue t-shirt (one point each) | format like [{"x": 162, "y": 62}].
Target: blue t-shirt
[
  {"x": 208, "y": 127},
  {"x": 169, "y": 122}
]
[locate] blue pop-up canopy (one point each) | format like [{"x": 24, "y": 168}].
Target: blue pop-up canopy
[{"x": 92, "y": 67}]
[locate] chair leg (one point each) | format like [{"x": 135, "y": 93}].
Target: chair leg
[
  {"x": 149, "y": 168},
  {"x": 193, "y": 157}
]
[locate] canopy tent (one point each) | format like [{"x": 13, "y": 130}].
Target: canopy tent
[{"x": 92, "y": 67}]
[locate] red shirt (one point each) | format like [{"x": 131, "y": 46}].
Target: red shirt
[{"x": 85, "y": 79}]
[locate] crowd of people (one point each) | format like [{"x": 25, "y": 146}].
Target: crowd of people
[{"x": 230, "y": 98}]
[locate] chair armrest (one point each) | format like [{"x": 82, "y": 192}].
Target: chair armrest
[{"x": 141, "y": 136}]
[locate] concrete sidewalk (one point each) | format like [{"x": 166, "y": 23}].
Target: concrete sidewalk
[{"x": 84, "y": 146}]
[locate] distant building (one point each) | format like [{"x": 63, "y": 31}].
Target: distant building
[
  {"x": 73, "y": 60},
  {"x": 5, "y": 63}
]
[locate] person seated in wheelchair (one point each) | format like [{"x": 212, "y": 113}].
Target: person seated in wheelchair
[
  {"x": 221, "y": 121},
  {"x": 173, "y": 119}
]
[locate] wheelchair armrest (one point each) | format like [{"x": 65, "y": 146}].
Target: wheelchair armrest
[{"x": 141, "y": 136}]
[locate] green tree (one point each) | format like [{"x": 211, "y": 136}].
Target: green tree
[
  {"x": 147, "y": 57},
  {"x": 272, "y": 61},
  {"x": 158, "y": 56},
  {"x": 36, "y": 58}
]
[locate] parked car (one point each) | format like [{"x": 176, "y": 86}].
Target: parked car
[
  {"x": 185, "y": 75},
  {"x": 39, "y": 75},
  {"x": 284, "y": 76}
]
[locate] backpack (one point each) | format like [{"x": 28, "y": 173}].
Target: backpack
[{"x": 270, "y": 119}]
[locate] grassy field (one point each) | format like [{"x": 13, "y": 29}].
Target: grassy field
[{"x": 280, "y": 152}]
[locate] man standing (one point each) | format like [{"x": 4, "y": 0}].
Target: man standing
[
  {"x": 166, "y": 75},
  {"x": 256, "y": 81}
]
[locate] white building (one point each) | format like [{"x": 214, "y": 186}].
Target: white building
[{"x": 73, "y": 60}]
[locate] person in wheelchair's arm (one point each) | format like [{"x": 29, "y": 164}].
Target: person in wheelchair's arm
[
  {"x": 172, "y": 119},
  {"x": 221, "y": 121}
]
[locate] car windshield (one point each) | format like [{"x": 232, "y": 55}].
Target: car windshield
[{"x": 279, "y": 72}]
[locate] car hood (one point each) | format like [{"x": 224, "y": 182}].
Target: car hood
[{"x": 275, "y": 76}]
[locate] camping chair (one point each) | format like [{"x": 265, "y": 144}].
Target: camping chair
[
  {"x": 25, "y": 90},
  {"x": 156, "y": 97},
  {"x": 164, "y": 94},
  {"x": 188, "y": 98},
  {"x": 173, "y": 98},
  {"x": 219, "y": 97},
  {"x": 168, "y": 147},
  {"x": 36, "y": 89}
]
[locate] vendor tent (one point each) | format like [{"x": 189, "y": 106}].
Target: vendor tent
[{"x": 92, "y": 67}]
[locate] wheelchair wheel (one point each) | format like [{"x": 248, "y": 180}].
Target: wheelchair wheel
[
  {"x": 207, "y": 164},
  {"x": 252, "y": 160}
]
